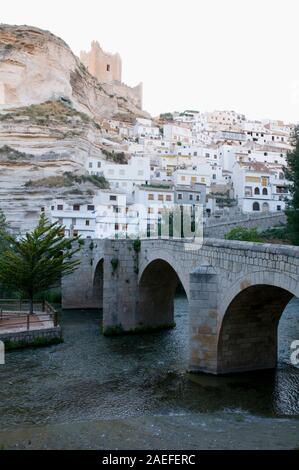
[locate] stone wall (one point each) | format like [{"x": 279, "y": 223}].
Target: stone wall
[
  {"x": 32, "y": 336},
  {"x": 263, "y": 222}
]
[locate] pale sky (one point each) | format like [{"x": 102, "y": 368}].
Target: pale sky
[{"x": 189, "y": 54}]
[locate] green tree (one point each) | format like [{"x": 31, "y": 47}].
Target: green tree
[
  {"x": 34, "y": 263},
  {"x": 292, "y": 174},
  {"x": 3, "y": 230},
  {"x": 243, "y": 234}
]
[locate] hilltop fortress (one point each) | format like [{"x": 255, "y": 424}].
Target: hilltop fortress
[{"x": 107, "y": 68}]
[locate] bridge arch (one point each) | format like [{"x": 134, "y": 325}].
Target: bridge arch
[
  {"x": 98, "y": 284},
  {"x": 249, "y": 317},
  {"x": 157, "y": 286}
]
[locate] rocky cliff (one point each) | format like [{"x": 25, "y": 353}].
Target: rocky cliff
[
  {"x": 51, "y": 110},
  {"x": 36, "y": 66}
]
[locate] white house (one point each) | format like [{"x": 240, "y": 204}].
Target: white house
[
  {"x": 145, "y": 128},
  {"x": 177, "y": 133},
  {"x": 122, "y": 176},
  {"x": 259, "y": 188},
  {"x": 105, "y": 215}
]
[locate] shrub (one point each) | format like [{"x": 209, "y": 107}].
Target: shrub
[{"x": 243, "y": 234}]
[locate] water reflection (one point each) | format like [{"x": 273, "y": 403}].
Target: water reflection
[{"x": 90, "y": 376}]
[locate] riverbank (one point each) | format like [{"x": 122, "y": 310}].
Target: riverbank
[
  {"x": 195, "y": 431},
  {"x": 134, "y": 392}
]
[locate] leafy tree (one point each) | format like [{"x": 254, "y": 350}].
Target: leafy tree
[
  {"x": 243, "y": 234},
  {"x": 3, "y": 230},
  {"x": 292, "y": 174},
  {"x": 34, "y": 263}
]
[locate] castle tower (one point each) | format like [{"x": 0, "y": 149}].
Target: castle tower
[{"x": 102, "y": 65}]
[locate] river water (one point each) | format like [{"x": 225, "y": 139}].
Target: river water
[{"x": 114, "y": 387}]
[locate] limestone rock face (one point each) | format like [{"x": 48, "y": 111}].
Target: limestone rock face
[
  {"x": 39, "y": 143},
  {"x": 36, "y": 66}
]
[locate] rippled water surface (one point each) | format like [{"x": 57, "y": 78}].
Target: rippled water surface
[{"x": 93, "y": 377}]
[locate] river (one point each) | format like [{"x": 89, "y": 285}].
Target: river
[{"x": 134, "y": 392}]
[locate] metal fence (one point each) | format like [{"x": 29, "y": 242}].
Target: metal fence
[{"x": 13, "y": 313}]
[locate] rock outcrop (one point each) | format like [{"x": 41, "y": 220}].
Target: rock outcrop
[
  {"x": 36, "y": 66},
  {"x": 51, "y": 113},
  {"x": 38, "y": 145}
]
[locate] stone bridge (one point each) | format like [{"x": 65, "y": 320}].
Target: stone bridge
[{"x": 237, "y": 292}]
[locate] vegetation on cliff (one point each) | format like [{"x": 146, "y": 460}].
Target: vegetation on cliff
[
  {"x": 116, "y": 157},
  {"x": 50, "y": 111},
  {"x": 8, "y": 153},
  {"x": 67, "y": 180}
]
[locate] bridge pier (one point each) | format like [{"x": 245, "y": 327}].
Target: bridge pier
[{"x": 203, "y": 320}]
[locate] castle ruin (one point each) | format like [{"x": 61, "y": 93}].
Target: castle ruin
[{"x": 107, "y": 68}]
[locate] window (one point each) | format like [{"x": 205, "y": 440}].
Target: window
[
  {"x": 190, "y": 197},
  {"x": 52, "y": 208},
  {"x": 265, "y": 192},
  {"x": 87, "y": 222},
  {"x": 160, "y": 197},
  {"x": 183, "y": 178},
  {"x": 248, "y": 191},
  {"x": 60, "y": 207},
  {"x": 193, "y": 179},
  {"x": 76, "y": 207},
  {"x": 197, "y": 197},
  {"x": 180, "y": 196},
  {"x": 42, "y": 209},
  {"x": 90, "y": 164},
  {"x": 116, "y": 209},
  {"x": 168, "y": 197},
  {"x": 116, "y": 226},
  {"x": 75, "y": 233},
  {"x": 150, "y": 210},
  {"x": 214, "y": 176},
  {"x": 73, "y": 222},
  {"x": 255, "y": 206},
  {"x": 112, "y": 198},
  {"x": 278, "y": 208},
  {"x": 256, "y": 190},
  {"x": 122, "y": 172},
  {"x": 90, "y": 207},
  {"x": 150, "y": 197},
  {"x": 108, "y": 68},
  {"x": 99, "y": 164}
]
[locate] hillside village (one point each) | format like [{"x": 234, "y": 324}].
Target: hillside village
[{"x": 108, "y": 168}]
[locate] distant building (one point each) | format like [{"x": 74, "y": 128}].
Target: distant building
[{"x": 191, "y": 195}]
